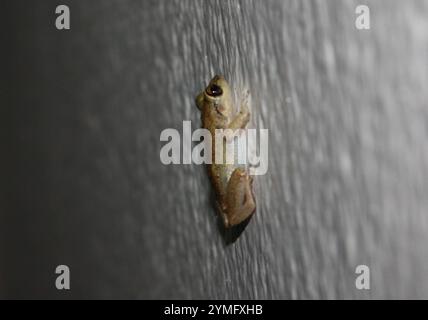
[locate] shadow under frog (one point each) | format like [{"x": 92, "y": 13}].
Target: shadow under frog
[{"x": 232, "y": 183}]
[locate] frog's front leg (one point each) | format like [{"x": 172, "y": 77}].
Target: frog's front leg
[
  {"x": 241, "y": 120},
  {"x": 239, "y": 199}
]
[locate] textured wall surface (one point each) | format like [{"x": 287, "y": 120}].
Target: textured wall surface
[{"x": 348, "y": 158}]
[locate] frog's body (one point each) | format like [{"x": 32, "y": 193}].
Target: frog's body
[{"x": 231, "y": 182}]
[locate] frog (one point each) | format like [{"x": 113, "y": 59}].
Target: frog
[{"x": 232, "y": 183}]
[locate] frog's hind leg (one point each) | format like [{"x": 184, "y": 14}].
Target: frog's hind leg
[
  {"x": 221, "y": 209},
  {"x": 240, "y": 202}
]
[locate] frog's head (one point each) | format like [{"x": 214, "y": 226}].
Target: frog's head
[{"x": 217, "y": 94}]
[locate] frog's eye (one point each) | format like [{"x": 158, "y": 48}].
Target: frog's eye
[{"x": 214, "y": 90}]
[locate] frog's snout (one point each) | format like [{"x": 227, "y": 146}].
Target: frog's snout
[
  {"x": 218, "y": 77},
  {"x": 218, "y": 80}
]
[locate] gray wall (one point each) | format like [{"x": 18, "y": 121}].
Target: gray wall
[{"x": 348, "y": 159}]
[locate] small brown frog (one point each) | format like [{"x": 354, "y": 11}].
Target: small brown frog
[{"x": 232, "y": 183}]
